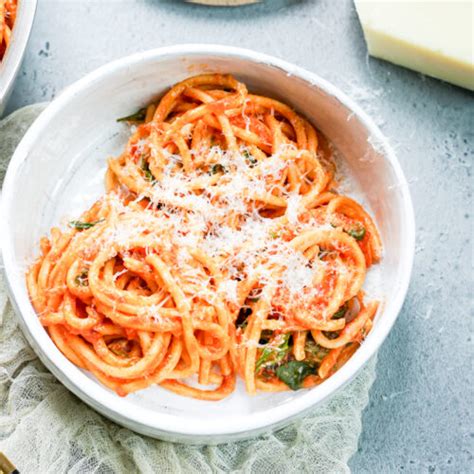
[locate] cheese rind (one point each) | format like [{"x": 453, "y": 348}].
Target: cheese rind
[{"x": 431, "y": 36}]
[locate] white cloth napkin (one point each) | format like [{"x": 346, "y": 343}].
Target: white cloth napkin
[{"x": 45, "y": 429}]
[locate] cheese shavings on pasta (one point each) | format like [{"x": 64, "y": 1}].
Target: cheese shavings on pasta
[{"x": 221, "y": 248}]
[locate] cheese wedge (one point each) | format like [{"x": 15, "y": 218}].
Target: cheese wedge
[{"x": 434, "y": 37}]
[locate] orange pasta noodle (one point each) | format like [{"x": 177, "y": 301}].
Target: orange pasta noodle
[
  {"x": 7, "y": 19},
  {"x": 220, "y": 249}
]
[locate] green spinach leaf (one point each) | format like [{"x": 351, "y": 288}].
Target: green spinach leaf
[
  {"x": 145, "y": 167},
  {"x": 272, "y": 355},
  {"x": 340, "y": 313},
  {"x": 358, "y": 233},
  {"x": 138, "y": 116},
  {"x": 314, "y": 352},
  {"x": 82, "y": 279},
  {"x": 294, "y": 372},
  {"x": 84, "y": 225}
]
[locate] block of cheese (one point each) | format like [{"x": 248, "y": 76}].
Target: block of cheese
[{"x": 434, "y": 37}]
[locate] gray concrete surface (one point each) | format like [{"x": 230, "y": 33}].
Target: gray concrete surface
[{"x": 420, "y": 416}]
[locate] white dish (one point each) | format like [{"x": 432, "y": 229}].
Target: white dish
[
  {"x": 58, "y": 168},
  {"x": 10, "y": 65}
]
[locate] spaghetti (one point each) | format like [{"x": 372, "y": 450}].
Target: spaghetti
[
  {"x": 8, "y": 10},
  {"x": 220, "y": 248}
]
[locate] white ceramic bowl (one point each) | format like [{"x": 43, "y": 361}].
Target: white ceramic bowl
[
  {"x": 58, "y": 168},
  {"x": 10, "y": 65}
]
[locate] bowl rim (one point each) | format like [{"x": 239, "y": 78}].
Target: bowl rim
[
  {"x": 167, "y": 424},
  {"x": 10, "y": 65}
]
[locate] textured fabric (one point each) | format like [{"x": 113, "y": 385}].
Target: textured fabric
[{"x": 46, "y": 429}]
